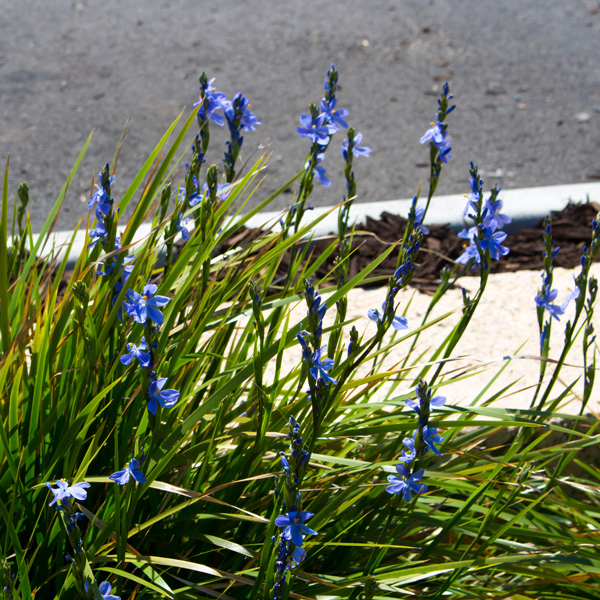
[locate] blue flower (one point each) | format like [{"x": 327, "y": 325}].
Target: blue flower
[
  {"x": 548, "y": 296},
  {"x": 434, "y": 135},
  {"x": 492, "y": 241},
  {"x": 419, "y": 214},
  {"x": 66, "y": 491},
  {"x": 321, "y": 365},
  {"x": 238, "y": 112},
  {"x": 334, "y": 115},
  {"x": 182, "y": 227},
  {"x": 195, "y": 195},
  {"x": 545, "y": 301},
  {"x": 431, "y": 437},
  {"x": 105, "y": 588},
  {"x": 405, "y": 484},
  {"x": 437, "y": 137},
  {"x": 320, "y": 174},
  {"x": 473, "y": 196},
  {"x": 223, "y": 191},
  {"x": 317, "y": 130},
  {"x": 146, "y": 305},
  {"x": 100, "y": 196},
  {"x": 470, "y": 251},
  {"x": 425, "y": 401},
  {"x": 298, "y": 555},
  {"x": 137, "y": 352},
  {"x": 166, "y": 398},
  {"x": 293, "y": 526},
  {"x": 319, "y": 170},
  {"x": 493, "y": 217},
  {"x": 398, "y": 323},
  {"x": 573, "y": 294},
  {"x": 98, "y": 234},
  {"x": 131, "y": 470},
  {"x": 356, "y": 150},
  {"x": 216, "y": 101},
  {"x": 409, "y": 456}
]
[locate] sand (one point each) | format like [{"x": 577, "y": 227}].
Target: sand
[{"x": 503, "y": 330}]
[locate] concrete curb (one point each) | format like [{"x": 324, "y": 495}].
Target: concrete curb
[{"x": 526, "y": 206}]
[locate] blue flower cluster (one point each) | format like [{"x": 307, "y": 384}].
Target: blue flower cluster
[
  {"x": 212, "y": 106},
  {"x": 102, "y": 203},
  {"x": 437, "y": 135},
  {"x": 289, "y": 551},
  {"x": 321, "y": 124},
  {"x": 144, "y": 309},
  {"x": 484, "y": 239},
  {"x": 424, "y": 438},
  {"x": 318, "y": 126},
  {"x": 237, "y": 115},
  {"x": 315, "y": 363}
]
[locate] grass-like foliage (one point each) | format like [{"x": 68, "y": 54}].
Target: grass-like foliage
[{"x": 157, "y": 443}]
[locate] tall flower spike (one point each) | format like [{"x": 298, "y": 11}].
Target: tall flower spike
[
  {"x": 437, "y": 134},
  {"x": 484, "y": 238}
]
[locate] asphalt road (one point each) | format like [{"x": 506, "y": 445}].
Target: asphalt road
[{"x": 525, "y": 75}]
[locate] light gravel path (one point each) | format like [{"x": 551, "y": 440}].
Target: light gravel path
[{"x": 504, "y": 325}]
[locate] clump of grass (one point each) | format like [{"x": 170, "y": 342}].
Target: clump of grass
[{"x": 150, "y": 406}]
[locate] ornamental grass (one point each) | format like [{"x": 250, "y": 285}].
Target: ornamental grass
[{"x": 155, "y": 444}]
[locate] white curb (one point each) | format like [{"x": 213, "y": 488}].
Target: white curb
[{"x": 526, "y": 206}]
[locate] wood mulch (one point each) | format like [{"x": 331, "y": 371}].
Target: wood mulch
[{"x": 571, "y": 229}]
